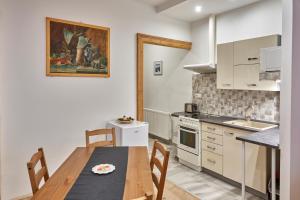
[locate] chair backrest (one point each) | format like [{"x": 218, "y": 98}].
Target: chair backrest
[
  {"x": 147, "y": 196},
  {"x": 162, "y": 167},
  {"x": 36, "y": 178},
  {"x": 111, "y": 132}
]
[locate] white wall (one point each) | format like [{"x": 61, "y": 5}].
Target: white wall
[
  {"x": 199, "y": 52},
  {"x": 53, "y": 112},
  {"x": 256, "y": 20},
  {"x": 170, "y": 91},
  {"x": 1, "y": 110},
  {"x": 295, "y": 114},
  {"x": 290, "y": 97},
  {"x": 285, "y": 100}
]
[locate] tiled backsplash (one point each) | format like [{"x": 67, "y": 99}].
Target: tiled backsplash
[{"x": 234, "y": 102}]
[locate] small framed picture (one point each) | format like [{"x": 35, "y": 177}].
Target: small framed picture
[{"x": 158, "y": 68}]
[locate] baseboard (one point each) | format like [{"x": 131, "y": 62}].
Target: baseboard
[
  {"x": 231, "y": 182},
  {"x": 163, "y": 140}
]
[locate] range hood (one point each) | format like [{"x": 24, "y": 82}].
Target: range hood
[{"x": 211, "y": 65}]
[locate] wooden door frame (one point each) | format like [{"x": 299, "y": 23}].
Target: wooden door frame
[{"x": 149, "y": 39}]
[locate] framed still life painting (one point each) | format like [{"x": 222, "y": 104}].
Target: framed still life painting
[{"x": 77, "y": 49}]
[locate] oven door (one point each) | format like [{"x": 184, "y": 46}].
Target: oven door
[{"x": 188, "y": 140}]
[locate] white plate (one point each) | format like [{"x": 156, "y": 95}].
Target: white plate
[{"x": 103, "y": 169}]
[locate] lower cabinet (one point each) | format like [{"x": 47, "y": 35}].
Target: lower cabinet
[
  {"x": 214, "y": 148},
  {"x": 256, "y": 160},
  {"x": 223, "y": 154},
  {"x": 212, "y": 144},
  {"x": 212, "y": 161}
]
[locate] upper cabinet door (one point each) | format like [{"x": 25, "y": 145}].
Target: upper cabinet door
[
  {"x": 248, "y": 51},
  {"x": 225, "y": 66},
  {"x": 246, "y": 77}
]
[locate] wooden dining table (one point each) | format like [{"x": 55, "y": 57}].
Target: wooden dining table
[{"x": 138, "y": 176}]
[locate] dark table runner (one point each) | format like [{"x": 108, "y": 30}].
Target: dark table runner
[{"x": 90, "y": 186}]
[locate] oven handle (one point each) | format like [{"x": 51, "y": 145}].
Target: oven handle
[{"x": 196, "y": 132}]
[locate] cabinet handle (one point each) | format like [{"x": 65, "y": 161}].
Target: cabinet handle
[
  {"x": 212, "y": 148},
  {"x": 211, "y": 138},
  {"x": 211, "y": 161},
  {"x": 252, "y": 85},
  {"x": 226, "y": 84},
  {"x": 209, "y": 128},
  {"x": 136, "y": 131},
  {"x": 229, "y": 133},
  {"x": 250, "y": 59}
]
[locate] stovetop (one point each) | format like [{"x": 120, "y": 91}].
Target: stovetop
[
  {"x": 216, "y": 119},
  {"x": 199, "y": 115}
]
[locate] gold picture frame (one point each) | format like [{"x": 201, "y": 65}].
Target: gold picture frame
[{"x": 77, "y": 49}]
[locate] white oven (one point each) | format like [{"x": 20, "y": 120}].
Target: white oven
[
  {"x": 189, "y": 142},
  {"x": 189, "y": 139}
]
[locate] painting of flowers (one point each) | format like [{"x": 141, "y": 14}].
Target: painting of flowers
[{"x": 77, "y": 49}]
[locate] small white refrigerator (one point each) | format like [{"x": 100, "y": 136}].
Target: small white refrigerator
[{"x": 134, "y": 134}]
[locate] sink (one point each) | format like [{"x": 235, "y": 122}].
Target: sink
[{"x": 257, "y": 126}]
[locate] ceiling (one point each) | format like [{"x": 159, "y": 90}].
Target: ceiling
[
  {"x": 154, "y": 2},
  {"x": 185, "y": 9}
]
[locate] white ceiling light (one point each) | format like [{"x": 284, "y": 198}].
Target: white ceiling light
[{"x": 198, "y": 9}]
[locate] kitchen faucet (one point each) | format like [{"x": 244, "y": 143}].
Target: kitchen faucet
[{"x": 248, "y": 112}]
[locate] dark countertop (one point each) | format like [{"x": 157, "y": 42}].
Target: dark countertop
[
  {"x": 269, "y": 138},
  {"x": 214, "y": 119},
  {"x": 205, "y": 118}
]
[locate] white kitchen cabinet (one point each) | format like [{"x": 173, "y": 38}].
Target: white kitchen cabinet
[
  {"x": 247, "y": 52},
  {"x": 211, "y": 145},
  {"x": 239, "y": 64},
  {"x": 222, "y": 154},
  {"x": 256, "y": 160},
  {"x": 212, "y": 138},
  {"x": 225, "y": 66},
  {"x": 212, "y": 128},
  {"x": 212, "y": 161},
  {"x": 246, "y": 77},
  {"x": 134, "y": 134}
]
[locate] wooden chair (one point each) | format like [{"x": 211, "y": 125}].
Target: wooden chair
[
  {"x": 111, "y": 132},
  {"x": 148, "y": 196},
  {"x": 162, "y": 167},
  {"x": 36, "y": 178}
]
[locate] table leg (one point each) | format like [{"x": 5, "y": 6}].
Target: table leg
[
  {"x": 273, "y": 174},
  {"x": 243, "y": 171}
]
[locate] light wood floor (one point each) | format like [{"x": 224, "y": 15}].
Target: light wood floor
[{"x": 173, "y": 192}]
